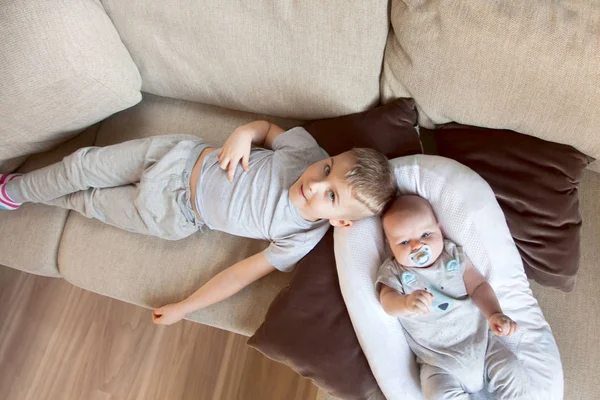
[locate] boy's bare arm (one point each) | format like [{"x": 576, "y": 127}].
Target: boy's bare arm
[
  {"x": 399, "y": 305},
  {"x": 485, "y": 298},
  {"x": 262, "y": 132},
  {"x": 237, "y": 147},
  {"x": 221, "y": 286},
  {"x": 266, "y": 141}
]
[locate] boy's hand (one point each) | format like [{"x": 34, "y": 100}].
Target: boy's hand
[
  {"x": 502, "y": 325},
  {"x": 168, "y": 314},
  {"x": 419, "y": 301},
  {"x": 236, "y": 148}
]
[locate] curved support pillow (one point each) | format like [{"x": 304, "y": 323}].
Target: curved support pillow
[{"x": 470, "y": 216}]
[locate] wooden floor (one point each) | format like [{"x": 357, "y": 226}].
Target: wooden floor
[{"x": 59, "y": 342}]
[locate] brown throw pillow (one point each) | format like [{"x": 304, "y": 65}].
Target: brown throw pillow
[
  {"x": 307, "y": 326},
  {"x": 389, "y": 129},
  {"x": 535, "y": 182}
]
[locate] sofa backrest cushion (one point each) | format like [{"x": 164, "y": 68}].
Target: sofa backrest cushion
[
  {"x": 63, "y": 68},
  {"x": 297, "y": 59},
  {"x": 528, "y": 66}
]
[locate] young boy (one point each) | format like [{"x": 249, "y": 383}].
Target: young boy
[
  {"x": 437, "y": 293},
  {"x": 171, "y": 186}
]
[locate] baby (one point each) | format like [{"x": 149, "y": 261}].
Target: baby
[{"x": 433, "y": 288}]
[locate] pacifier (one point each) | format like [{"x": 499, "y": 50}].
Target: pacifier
[{"x": 421, "y": 257}]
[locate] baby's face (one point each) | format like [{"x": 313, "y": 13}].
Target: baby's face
[{"x": 414, "y": 236}]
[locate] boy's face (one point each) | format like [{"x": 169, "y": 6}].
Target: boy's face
[
  {"x": 414, "y": 236},
  {"x": 321, "y": 192}
]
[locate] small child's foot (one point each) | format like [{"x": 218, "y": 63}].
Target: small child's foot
[{"x": 6, "y": 203}]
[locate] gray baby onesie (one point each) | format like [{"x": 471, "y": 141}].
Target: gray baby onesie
[
  {"x": 453, "y": 336},
  {"x": 452, "y": 343},
  {"x": 257, "y": 204}
]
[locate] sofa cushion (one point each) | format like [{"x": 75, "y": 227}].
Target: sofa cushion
[
  {"x": 151, "y": 272},
  {"x": 11, "y": 164},
  {"x": 307, "y": 326},
  {"x": 536, "y": 184},
  {"x": 64, "y": 68},
  {"x": 527, "y": 66},
  {"x": 572, "y": 315},
  {"x": 594, "y": 166},
  {"x": 31, "y": 234},
  {"x": 307, "y": 59}
]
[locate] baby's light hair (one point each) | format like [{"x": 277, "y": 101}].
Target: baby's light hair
[{"x": 371, "y": 180}]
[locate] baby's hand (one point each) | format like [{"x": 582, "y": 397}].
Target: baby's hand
[
  {"x": 168, "y": 314},
  {"x": 502, "y": 325},
  {"x": 419, "y": 301},
  {"x": 236, "y": 148}
]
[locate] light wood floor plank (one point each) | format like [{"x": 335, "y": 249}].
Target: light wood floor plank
[{"x": 59, "y": 342}]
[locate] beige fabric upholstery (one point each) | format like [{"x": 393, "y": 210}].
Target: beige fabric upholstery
[
  {"x": 529, "y": 66},
  {"x": 594, "y": 166},
  {"x": 574, "y": 316},
  {"x": 11, "y": 164},
  {"x": 30, "y": 235},
  {"x": 152, "y": 272},
  {"x": 300, "y": 59},
  {"x": 63, "y": 69}
]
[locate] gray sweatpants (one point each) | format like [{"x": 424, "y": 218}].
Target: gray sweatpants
[
  {"x": 507, "y": 379},
  {"x": 141, "y": 185}
]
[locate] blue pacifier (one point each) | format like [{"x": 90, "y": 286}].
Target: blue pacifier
[{"x": 421, "y": 257}]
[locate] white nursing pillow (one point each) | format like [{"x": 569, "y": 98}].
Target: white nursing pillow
[{"x": 470, "y": 216}]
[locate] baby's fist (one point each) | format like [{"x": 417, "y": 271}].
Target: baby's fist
[
  {"x": 419, "y": 301},
  {"x": 502, "y": 325}
]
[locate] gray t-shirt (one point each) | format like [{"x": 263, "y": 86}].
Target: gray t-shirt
[{"x": 257, "y": 205}]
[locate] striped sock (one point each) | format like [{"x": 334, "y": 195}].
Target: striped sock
[{"x": 6, "y": 203}]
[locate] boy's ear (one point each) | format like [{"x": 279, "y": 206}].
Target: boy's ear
[{"x": 344, "y": 223}]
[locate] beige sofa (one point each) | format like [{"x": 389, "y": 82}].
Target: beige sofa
[{"x": 101, "y": 72}]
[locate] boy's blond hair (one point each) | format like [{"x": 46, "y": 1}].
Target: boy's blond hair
[{"x": 371, "y": 180}]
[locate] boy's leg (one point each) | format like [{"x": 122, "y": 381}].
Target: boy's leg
[
  {"x": 438, "y": 384},
  {"x": 90, "y": 167},
  {"x": 113, "y": 206},
  {"x": 118, "y": 207},
  {"x": 158, "y": 205},
  {"x": 507, "y": 377}
]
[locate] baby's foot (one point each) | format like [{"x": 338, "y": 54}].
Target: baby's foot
[{"x": 6, "y": 203}]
